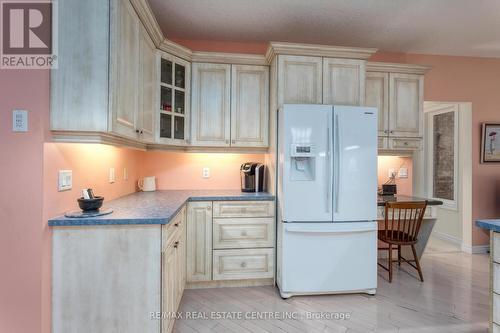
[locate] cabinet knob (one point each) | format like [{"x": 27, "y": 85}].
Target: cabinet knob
[
  {"x": 244, "y": 233},
  {"x": 243, "y": 264},
  {"x": 137, "y": 131},
  {"x": 406, "y": 143},
  {"x": 233, "y": 141},
  {"x": 176, "y": 244},
  {"x": 227, "y": 141},
  {"x": 176, "y": 224},
  {"x": 391, "y": 132},
  {"x": 386, "y": 131},
  {"x": 140, "y": 132}
]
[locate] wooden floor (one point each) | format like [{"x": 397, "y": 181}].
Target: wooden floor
[{"x": 453, "y": 298}]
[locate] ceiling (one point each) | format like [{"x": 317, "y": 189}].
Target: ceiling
[{"x": 452, "y": 27}]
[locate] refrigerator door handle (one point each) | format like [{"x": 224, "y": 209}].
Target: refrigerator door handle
[
  {"x": 328, "y": 172},
  {"x": 338, "y": 162}
]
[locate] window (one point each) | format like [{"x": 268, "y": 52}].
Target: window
[{"x": 444, "y": 153}]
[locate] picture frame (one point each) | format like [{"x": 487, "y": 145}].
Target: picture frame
[{"x": 490, "y": 143}]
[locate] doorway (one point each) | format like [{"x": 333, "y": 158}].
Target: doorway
[{"x": 448, "y": 172}]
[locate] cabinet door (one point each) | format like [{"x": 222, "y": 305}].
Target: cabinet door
[
  {"x": 199, "y": 241},
  {"x": 249, "y": 106},
  {"x": 211, "y": 105},
  {"x": 148, "y": 86},
  {"x": 173, "y": 100},
  {"x": 125, "y": 78},
  {"x": 300, "y": 80},
  {"x": 377, "y": 95},
  {"x": 343, "y": 81},
  {"x": 169, "y": 287},
  {"x": 406, "y": 93}
]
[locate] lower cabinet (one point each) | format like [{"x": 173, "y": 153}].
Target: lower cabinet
[
  {"x": 173, "y": 268},
  {"x": 230, "y": 240}
]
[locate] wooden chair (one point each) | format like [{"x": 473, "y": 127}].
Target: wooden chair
[{"x": 402, "y": 224}]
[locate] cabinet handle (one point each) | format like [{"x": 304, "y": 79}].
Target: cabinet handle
[
  {"x": 176, "y": 244},
  {"x": 406, "y": 143}
]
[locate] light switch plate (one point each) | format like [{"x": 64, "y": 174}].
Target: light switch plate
[
  {"x": 19, "y": 121},
  {"x": 403, "y": 173},
  {"x": 65, "y": 180},
  {"x": 206, "y": 173},
  {"x": 112, "y": 175}
]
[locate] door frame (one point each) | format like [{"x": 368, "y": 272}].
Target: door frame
[{"x": 464, "y": 161}]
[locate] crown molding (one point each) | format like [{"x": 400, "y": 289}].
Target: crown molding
[
  {"x": 176, "y": 49},
  {"x": 149, "y": 21},
  {"x": 229, "y": 58},
  {"x": 396, "y": 68},
  {"x": 276, "y": 48}
]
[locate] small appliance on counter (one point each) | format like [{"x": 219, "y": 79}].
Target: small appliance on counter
[
  {"x": 147, "y": 184},
  {"x": 90, "y": 205},
  {"x": 389, "y": 188},
  {"x": 252, "y": 177}
]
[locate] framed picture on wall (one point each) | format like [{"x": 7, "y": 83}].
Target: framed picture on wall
[{"x": 490, "y": 143}]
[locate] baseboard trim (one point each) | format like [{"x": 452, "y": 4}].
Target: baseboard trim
[
  {"x": 446, "y": 237},
  {"x": 476, "y": 249}
]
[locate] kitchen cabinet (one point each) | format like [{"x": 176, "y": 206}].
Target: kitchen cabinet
[
  {"x": 173, "y": 262},
  {"x": 396, "y": 90},
  {"x": 211, "y": 105},
  {"x": 406, "y": 98},
  {"x": 249, "y": 106},
  {"x": 103, "y": 86},
  {"x": 343, "y": 81},
  {"x": 199, "y": 241},
  {"x": 300, "y": 80},
  {"x": 146, "y": 112},
  {"x": 377, "y": 95},
  {"x": 174, "y": 100}
]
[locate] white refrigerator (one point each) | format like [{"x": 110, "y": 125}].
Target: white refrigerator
[{"x": 327, "y": 199}]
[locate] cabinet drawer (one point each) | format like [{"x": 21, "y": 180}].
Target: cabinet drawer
[
  {"x": 243, "y": 208},
  {"x": 496, "y": 247},
  {"x": 496, "y": 308},
  {"x": 406, "y": 144},
  {"x": 174, "y": 228},
  {"x": 243, "y": 264},
  {"x": 231, "y": 233},
  {"x": 496, "y": 277}
]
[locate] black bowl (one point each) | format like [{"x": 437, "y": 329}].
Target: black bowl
[{"x": 90, "y": 204}]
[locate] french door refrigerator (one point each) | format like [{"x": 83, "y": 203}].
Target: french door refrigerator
[{"x": 327, "y": 199}]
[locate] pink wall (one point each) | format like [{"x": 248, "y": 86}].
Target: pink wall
[
  {"x": 385, "y": 163},
  {"x": 465, "y": 79},
  {"x": 182, "y": 171},
  {"x": 20, "y": 200}
]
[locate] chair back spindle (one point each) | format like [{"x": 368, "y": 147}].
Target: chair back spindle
[{"x": 403, "y": 220}]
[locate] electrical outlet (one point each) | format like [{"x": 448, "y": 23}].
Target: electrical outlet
[
  {"x": 112, "y": 175},
  {"x": 19, "y": 121},
  {"x": 65, "y": 180},
  {"x": 206, "y": 173},
  {"x": 125, "y": 174},
  {"x": 403, "y": 173}
]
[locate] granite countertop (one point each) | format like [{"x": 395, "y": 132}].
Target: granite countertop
[
  {"x": 156, "y": 207},
  {"x": 382, "y": 199},
  {"x": 489, "y": 224}
]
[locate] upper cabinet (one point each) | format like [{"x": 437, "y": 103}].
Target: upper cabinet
[
  {"x": 300, "y": 80},
  {"x": 406, "y": 105},
  {"x": 211, "y": 105},
  {"x": 230, "y": 105},
  {"x": 249, "y": 106},
  {"x": 396, "y": 90},
  {"x": 105, "y": 81},
  {"x": 173, "y": 102},
  {"x": 343, "y": 81},
  {"x": 377, "y": 95}
]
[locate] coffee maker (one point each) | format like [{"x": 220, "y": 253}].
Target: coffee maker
[{"x": 252, "y": 177}]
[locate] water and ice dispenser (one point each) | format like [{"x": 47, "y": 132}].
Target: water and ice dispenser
[{"x": 303, "y": 162}]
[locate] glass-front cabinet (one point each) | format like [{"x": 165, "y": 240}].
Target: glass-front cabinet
[{"x": 173, "y": 113}]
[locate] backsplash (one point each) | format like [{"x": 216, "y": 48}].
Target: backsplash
[
  {"x": 184, "y": 171},
  {"x": 385, "y": 163}
]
